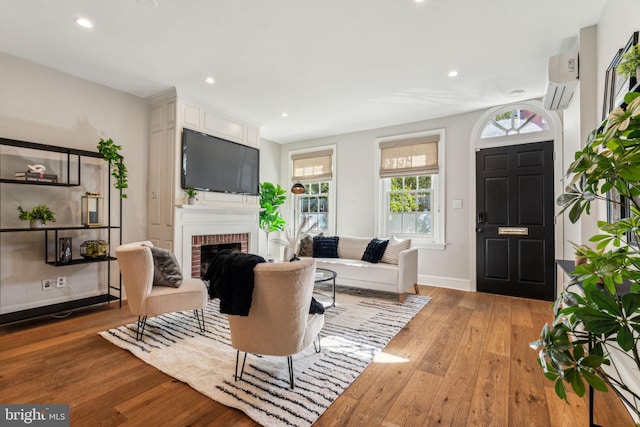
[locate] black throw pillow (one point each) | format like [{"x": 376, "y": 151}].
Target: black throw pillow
[
  {"x": 325, "y": 247},
  {"x": 375, "y": 250}
]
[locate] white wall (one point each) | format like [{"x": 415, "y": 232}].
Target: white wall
[
  {"x": 39, "y": 104},
  {"x": 356, "y": 185},
  {"x": 270, "y": 171}
]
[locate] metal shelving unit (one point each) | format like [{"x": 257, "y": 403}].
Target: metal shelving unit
[{"x": 112, "y": 293}]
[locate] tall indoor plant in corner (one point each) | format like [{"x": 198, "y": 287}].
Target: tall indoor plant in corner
[
  {"x": 594, "y": 337},
  {"x": 271, "y": 198}
]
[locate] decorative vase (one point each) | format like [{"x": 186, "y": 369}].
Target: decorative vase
[{"x": 36, "y": 223}]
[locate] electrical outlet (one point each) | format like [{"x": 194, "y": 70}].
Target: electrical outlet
[
  {"x": 61, "y": 281},
  {"x": 47, "y": 284}
]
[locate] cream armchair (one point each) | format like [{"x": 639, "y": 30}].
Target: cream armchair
[
  {"x": 144, "y": 299},
  {"x": 279, "y": 323}
]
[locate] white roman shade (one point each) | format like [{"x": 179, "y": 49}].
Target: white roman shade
[
  {"x": 312, "y": 167},
  {"x": 412, "y": 156}
]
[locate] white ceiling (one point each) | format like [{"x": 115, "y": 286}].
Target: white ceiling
[{"x": 334, "y": 66}]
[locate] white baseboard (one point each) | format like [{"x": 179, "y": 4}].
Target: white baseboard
[{"x": 445, "y": 282}]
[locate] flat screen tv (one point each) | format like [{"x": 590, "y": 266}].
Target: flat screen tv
[{"x": 215, "y": 164}]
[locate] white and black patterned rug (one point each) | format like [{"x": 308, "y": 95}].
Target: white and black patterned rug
[{"x": 356, "y": 330}]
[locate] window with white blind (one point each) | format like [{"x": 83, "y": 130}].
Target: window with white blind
[
  {"x": 411, "y": 174},
  {"x": 314, "y": 170}
]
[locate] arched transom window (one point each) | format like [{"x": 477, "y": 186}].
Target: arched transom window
[{"x": 514, "y": 122}]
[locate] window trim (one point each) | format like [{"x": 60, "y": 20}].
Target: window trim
[
  {"x": 332, "y": 186},
  {"x": 439, "y": 208}
]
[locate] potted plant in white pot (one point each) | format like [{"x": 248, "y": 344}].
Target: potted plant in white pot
[
  {"x": 594, "y": 337},
  {"x": 192, "y": 195},
  {"x": 38, "y": 216}
]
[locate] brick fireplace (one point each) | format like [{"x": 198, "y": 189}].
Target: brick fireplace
[
  {"x": 197, "y": 242},
  {"x": 197, "y": 225}
]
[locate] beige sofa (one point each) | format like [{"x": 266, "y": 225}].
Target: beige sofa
[{"x": 382, "y": 276}]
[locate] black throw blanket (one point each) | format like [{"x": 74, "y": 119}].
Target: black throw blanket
[{"x": 230, "y": 277}]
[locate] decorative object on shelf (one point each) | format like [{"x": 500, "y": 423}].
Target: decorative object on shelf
[
  {"x": 603, "y": 320},
  {"x": 111, "y": 153},
  {"x": 92, "y": 209},
  {"x": 64, "y": 250},
  {"x": 271, "y": 197},
  {"x": 618, "y": 81},
  {"x": 192, "y": 195},
  {"x": 94, "y": 249},
  {"x": 36, "y": 173},
  {"x": 38, "y": 216}
]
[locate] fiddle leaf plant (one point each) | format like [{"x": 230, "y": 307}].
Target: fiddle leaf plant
[
  {"x": 271, "y": 198},
  {"x": 598, "y": 314},
  {"x": 111, "y": 153}
]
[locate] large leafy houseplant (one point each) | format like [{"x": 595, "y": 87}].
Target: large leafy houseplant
[
  {"x": 270, "y": 220},
  {"x": 598, "y": 314}
]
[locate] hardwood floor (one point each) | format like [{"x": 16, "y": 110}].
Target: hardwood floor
[{"x": 462, "y": 361}]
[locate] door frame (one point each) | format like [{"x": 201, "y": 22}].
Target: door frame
[{"x": 554, "y": 133}]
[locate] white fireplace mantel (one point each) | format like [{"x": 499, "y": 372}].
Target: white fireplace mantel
[{"x": 199, "y": 220}]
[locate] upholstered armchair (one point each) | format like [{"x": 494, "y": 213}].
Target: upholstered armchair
[
  {"x": 146, "y": 300},
  {"x": 279, "y": 323}
]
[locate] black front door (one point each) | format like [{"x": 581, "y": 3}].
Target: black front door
[{"x": 515, "y": 220}]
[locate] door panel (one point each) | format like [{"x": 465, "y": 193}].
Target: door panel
[{"x": 515, "y": 220}]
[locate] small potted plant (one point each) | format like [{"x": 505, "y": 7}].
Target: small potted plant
[
  {"x": 192, "y": 195},
  {"x": 38, "y": 216},
  {"x": 630, "y": 62}
]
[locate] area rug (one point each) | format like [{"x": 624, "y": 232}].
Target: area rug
[{"x": 356, "y": 329}]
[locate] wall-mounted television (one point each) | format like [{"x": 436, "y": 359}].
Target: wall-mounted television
[{"x": 215, "y": 164}]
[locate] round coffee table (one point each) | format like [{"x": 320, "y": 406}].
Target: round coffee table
[{"x": 324, "y": 275}]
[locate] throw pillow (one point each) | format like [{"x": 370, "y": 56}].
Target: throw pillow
[
  {"x": 375, "y": 250},
  {"x": 325, "y": 247},
  {"x": 392, "y": 252},
  {"x": 306, "y": 246},
  {"x": 166, "y": 270}
]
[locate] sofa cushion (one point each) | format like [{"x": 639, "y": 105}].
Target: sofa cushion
[
  {"x": 375, "y": 250},
  {"x": 306, "y": 246},
  {"x": 352, "y": 247},
  {"x": 166, "y": 270},
  {"x": 325, "y": 247},
  {"x": 361, "y": 271},
  {"x": 392, "y": 252}
]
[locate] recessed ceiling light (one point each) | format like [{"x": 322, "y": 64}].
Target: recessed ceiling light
[
  {"x": 284, "y": 115},
  {"x": 210, "y": 80},
  {"x": 84, "y": 23},
  {"x": 516, "y": 92},
  {"x": 452, "y": 73}
]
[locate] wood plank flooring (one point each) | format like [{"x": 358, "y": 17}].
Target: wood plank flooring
[{"x": 462, "y": 361}]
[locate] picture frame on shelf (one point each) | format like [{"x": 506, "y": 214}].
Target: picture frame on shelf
[{"x": 616, "y": 85}]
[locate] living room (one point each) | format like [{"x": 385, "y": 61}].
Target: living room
[{"x": 44, "y": 105}]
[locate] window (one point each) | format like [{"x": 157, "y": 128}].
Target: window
[
  {"x": 411, "y": 186},
  {"x": 314, "y": 205},
  {"x": 409, "y": 204},
  {"x": 314, "y": 170},
  {"x": 514, "y": 122}
]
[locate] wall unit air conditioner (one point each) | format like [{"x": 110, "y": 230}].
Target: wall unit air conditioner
[{"x": 563, "y": 80}]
